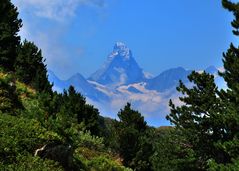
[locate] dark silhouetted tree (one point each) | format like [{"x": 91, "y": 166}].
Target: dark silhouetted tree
[
  {"x": 74, "y": 105},
  {"x": 9, "y": 40},
  {"x": 132, "y": 144},
  {"x": 200, "y": 118},
  {"x": 30, "y": 67}
]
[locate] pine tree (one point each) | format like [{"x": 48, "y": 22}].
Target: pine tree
[
  {"x": 130, "y": 129},
  {"x": 209, "y": 118},
  {"x": 231, "y": 60},
  {"x": 9, "y": 40},
  {"x": 200, "y": 119},
  {"x": 74, "y": 106},
  {"x": 30, "y": 67}
]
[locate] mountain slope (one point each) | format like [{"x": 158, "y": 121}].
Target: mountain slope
[
  {"x": 80, "y": 84},
  {"x": 168, "y": 79}
]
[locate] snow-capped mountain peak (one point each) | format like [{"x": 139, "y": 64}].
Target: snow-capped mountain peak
[
  {"x": 120, "y": 50},
  {"x": 120, "y": 68}
]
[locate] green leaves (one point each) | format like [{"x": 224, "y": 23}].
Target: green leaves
[
  {"x": 172, "y": 151},
  {"x": 133, "y": 146},
  {"x": 74, "y": 106},
  {"x": 102, "y": 164},
  {"x": 202, "y": 118},
  {"x": 9, "y": 101},
  {"x": 21, "y": 136}
]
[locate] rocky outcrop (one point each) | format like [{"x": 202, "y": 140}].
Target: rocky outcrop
[{"x": 58, "y": 152}]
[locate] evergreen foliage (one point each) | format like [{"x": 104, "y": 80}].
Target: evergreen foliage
[
  {"x": 132, "y": 143},
  {"x": 200, "y": 118},
  {"x": 142, "y": 161},
  {"x": 74, "y": 105},
  {"x": 105, "y": 164},
  {"x": 20, "y": 136},
  {"x": 9, "y": 40},
  {"x": 171, "y": 151},
  {"x": 9, "y": 101},
  {"x": 30, "y": 67},
  {"x": 27, "y": 162},
  {"x": 209, "y": 117}
]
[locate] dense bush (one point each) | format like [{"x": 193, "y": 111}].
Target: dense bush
[
  {"x": 30, "y": 163},
  {"x": 102, "y": 164},
  {"x": 214, "y": 166},
  {"x": 171, "y": 151},
  {"x": 21, "y": 136},
  {"x": 9, "y": 101}
]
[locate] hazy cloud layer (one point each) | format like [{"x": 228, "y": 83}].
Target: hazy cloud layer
[
  {"x": 55, "y": 9},
  {"x": 48, "y": 23}
]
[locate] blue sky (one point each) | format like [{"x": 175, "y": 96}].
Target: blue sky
[{"x": 77, "y": 35}]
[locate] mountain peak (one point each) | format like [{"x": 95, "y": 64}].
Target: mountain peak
[
  {"x": 120, "y": 68},
  {"x": 168, "y": 79},
  {"x": 120, "y": 46},
  {"x": 121, "y": 50}
]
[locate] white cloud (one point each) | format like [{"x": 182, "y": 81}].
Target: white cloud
[
  {"x": 47, "y": 22},
  {"x": 150, "y": 103},
  {"x": 55, "y": 9}
]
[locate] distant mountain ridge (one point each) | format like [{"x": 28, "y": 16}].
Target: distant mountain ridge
[
  {"x": 121, "y": 80},
  {"x": 168, "y": 79}
]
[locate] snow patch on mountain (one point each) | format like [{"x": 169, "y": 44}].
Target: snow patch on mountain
[
  {"x": 101, "y": 88},
  {"x": 122, "y": 50}
]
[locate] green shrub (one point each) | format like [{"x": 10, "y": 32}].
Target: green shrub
[
  {"x": 90, "y": 141},
  {"x": 171, "y": 151},
  {"x": 9, "y": 101},
  {"x": 102, "y": 163},
  {"x": 33, "y": 110},
  {"x": 24, "y": 91},
  {"x": 30, "y": 163},
  {"x": 213, "y": 166},
  {"x": 21, "y": 136}
]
